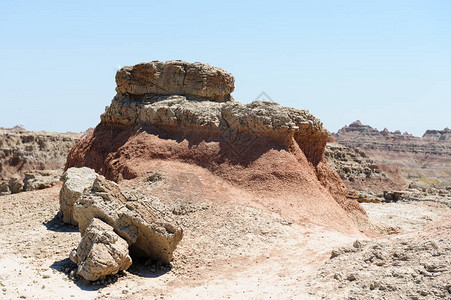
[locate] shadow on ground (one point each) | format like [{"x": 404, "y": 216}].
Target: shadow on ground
[
  {"x": 140, "y": 268},
  {"x": 57, "y": 225},
  {"x": 148, "y": 269},
  {"x": 66, "y": 266}
]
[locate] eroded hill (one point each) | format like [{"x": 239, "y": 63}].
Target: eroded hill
[
  {"x": 424, "y": 160},
  {"x": 32, "y": 160}
]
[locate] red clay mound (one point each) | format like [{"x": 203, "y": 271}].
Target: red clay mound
[{"x": 260, "y": 153}]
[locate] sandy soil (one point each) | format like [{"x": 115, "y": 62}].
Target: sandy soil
[
  {"x": 414, "y": 265},
  {"x": 405, "y": 216},
  {"x": 229, "y": 251}
]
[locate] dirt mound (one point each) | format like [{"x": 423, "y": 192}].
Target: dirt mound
[{"x": 270, "y": 155}]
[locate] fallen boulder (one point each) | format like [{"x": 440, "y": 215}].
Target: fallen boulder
[
  {"x": 101, "y": 252},
  {"x": 37, "y": 180},
  {"x": 4, "y": 188},
  {"x": 76, "y": 180},
  {"x": 34, "y": 180},
  {"x": 393, "y": 196},
  {"x": 15, "y": 185},
  {"x": 135, "y": 221}
]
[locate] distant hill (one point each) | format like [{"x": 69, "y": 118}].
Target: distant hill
[{"x": 424, "y": 159}]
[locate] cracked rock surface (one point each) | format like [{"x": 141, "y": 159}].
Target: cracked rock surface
[
  {"x": 134, "y": 220},
  {"x": 258, "y": 119},
  {"x": 176, "y": 78},
  {"x": 101, "y": 252},
  {"x": 76, "y": 180}
]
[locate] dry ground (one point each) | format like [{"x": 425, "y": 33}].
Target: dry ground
[{"x": 230, "y": 251}]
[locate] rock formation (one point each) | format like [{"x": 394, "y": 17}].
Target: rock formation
[
  {"x": 33, "y": 180},
  {"x": 22, "y": 153},
  {"x": 438, "y": 135},
  {"x": 351, "y": 163},
  {"x": 38, "y": 180},
  {"x": 76, "y": 180},
  {"x": 231, "y": 120},
  {"x": 175, "y": 78},
  {"x": 361, "y": 173},
  {"x": 425, "y": 159},
  {"x": 357, "y": 135},
  {"x": 135, "y": 221},
  {"x": 101, "y": 252},
  {"x": 182, "y": 114}
]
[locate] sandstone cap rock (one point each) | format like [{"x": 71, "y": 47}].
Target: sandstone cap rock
[{"x": 176, "y": 77}]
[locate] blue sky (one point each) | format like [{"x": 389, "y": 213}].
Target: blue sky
[{"x": 387, "y": 63}]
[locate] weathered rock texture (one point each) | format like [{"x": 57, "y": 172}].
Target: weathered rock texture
[
  {"x": 230, "y": 121},
  {"x": 438, "y": 135},
  {"x": 426, "y": 159},
  {"x": 135, "y": 221},
  {"x": 38, "y": 180},
  {"x": 101, "y": 252},
  {"x": 360, "y": 173},
  {"x": 76, "y": 180},
  {"x": 22, "y": 152},
  {"x": 275, "y": 152},
  {"x": 176, "y": 78},
  {"x": 33, "y": 180}
]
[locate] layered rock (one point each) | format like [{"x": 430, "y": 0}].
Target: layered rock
[
  {"x": 196, "y": 113},
  {"x": 37, "y": 180},
  {"x": 175, "y": 78},
  {"x": 265, "y": 120},
  {"x": 23, "y": 153},
  {"x": 361, "y": 173},
  {"x": 425, "y": 159},
  {"x": 101, "y": 252},
  {"x": 33, "y": 180},
  {"x": 135, "y": 221},
  {"x": 438, "y": 135},
  {"x": 357, "y": 135},
  {"x": 76, "y": 181},
  {"x": 351, "y": 163},
  {"x": 272, "y": 151}
]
